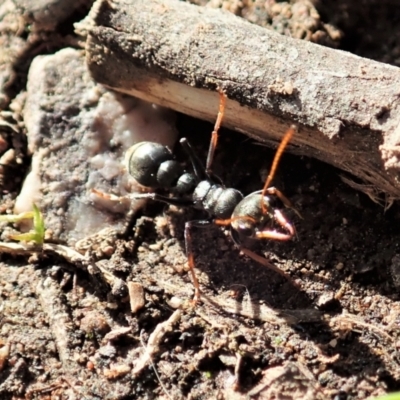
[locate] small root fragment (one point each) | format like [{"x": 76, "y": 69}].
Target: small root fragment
[
  {"x": 351, "y": 321},
  {"x": 153, "y": 344}
]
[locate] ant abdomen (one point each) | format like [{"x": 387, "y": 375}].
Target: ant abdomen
[{"x": 153, "y": 165}]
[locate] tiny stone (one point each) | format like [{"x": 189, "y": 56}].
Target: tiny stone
[
  {"x": 136, "y": 296},
  {"x": 107, "y": 351},
  {"x": 367, "y": 300},
  {"x": 228, "y": 360},
  {"x": 304, "y": 270},
  {"x": 178, "y": 349},
  {"x": 119, "y": 288},
  {"x": 339, "y": 266},
  {"x": 116, "y": 371},
  {"x": 108, "y": 251},
  {"x": 4, "y": 354},
  {"x": 116, "y": 333},
  {"x": 333, "y": 343},
  {"x": 175, "y": 302},
  {"x": 324, "y": 299},
  {"x": 94, "y": 322}
]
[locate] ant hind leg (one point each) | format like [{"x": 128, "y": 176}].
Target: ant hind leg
[{"x": 189, "y": 253}]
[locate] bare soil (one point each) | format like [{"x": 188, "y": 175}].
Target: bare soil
[{"x": 328, "y": 330}]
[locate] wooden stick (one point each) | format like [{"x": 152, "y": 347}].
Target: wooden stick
[{"x": 177, "y": 55}]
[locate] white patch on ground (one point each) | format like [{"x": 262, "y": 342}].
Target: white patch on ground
[{"x": 78, "y": 134}]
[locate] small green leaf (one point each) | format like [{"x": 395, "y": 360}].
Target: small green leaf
[
  {"x": 17, "y": 218},
  {"x": 36, "y": 234},
  {"x": 38, "y": 225},
  {"x": 391, "y": 396}
]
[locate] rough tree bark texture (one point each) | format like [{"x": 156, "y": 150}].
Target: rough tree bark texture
[{"x": 177, "y": 55}]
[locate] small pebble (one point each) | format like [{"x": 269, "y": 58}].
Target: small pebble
[
  {"x": 136, "y": 296},
  {"x": 94, "y": 321},
  {"x": 333, "y": 343},
  {"x": 4, "y": 354},
  {"x": 116, "y": 371},
  {"x": 339, "y": 266}
]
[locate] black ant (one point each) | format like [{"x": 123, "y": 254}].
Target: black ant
[{"x": 253, "y": 216}]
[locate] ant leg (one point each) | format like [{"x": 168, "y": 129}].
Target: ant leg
[
  {"x": 197, "y": 165},
  {"x": 173, "y": 201},
  {"x": 263, "y": 261},
  {"x": 109, "y": 202},
  {"x": 286, "y": 138},
  {"x": 214, "y": 135},
  {"x": 283, "y": 198},
  {"x": 189, "y": 253},
  {"x": 275, "y": 235}
]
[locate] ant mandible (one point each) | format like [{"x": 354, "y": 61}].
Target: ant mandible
[{"x": 153, "y": 165}]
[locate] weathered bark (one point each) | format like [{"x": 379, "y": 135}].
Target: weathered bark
[
  {"x": 177, "y": 55},
  {"x": 46, "y": 14}
]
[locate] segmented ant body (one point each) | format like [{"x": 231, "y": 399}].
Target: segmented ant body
[{"x": 254, "y": 216}]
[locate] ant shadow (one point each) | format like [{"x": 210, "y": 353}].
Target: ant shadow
[
  {"x": 342, "y": 235},
  {"x": 227, "y": 271}
]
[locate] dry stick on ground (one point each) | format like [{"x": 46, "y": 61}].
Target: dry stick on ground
[
  {"x": 153, "y": 344},
  {"x": 347, "y": 107},
  {"x": 69, "y": 254},
  {"x": 61, "y": 326},
  {"x": 230, "y": 306}
]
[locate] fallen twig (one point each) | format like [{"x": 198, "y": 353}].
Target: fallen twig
[
  {"x": 61, "y": 325},
  {"x": 67, "y": 253},
  {"x": 347, "y": 107},
  {"x": 153, "y": 344}
]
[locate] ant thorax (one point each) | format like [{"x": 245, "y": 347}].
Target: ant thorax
[{"x": 217, "y": 200}]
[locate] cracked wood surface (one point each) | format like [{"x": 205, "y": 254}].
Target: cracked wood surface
[{"x": 347, "y": 107}]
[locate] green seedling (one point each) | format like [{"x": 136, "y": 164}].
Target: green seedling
[
  {"x": 36, "y": 234},
  {"x": 391, "y": 396},
  {"x": 208, "y": 374}
]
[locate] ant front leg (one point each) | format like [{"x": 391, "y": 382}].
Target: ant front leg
[
  {"x": 287, "y": 203},
  {"x": 189, "y": 253},
  {"x": 275, "y": 235},
  {"x": 198, "y": 167},
  {"x": 109, "y": 202},
  {"x": 172, "y": 201}
]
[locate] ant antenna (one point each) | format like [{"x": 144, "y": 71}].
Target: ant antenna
[
  {"x": 288, "y": 135},
  {"x": 214, "y": 135}
]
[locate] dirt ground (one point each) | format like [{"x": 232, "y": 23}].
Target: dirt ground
[{"x": 329, "y": 329}]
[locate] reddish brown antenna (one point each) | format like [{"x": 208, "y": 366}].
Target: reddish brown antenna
[
  {"x": 288, "y": 135},
  {"x": 214, "y": 135}
]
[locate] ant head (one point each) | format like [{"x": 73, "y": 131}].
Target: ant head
[
  {"x": 260, "y": 217},
  {"x": 248, "y": 215}
]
